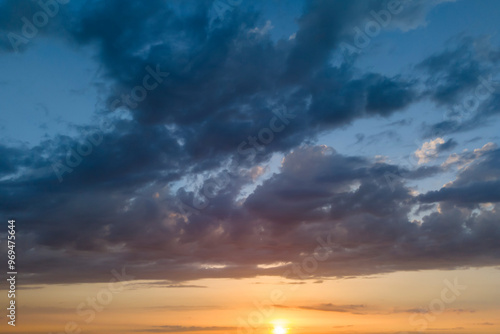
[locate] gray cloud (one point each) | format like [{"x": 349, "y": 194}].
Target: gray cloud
[{"x": 461, "y": 80}]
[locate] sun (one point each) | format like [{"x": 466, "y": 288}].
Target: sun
[
  {"x": 279, "y": 326},
  {"x": 280, "y": 330}
]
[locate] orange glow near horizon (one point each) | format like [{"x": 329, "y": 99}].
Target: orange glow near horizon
[
  {"x": 373, "y": 304},
  {"x": 280, "y": 326},
  {"x": 279, "y": 330}
]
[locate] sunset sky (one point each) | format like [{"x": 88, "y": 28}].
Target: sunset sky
[{"x": 241, "y": 167}]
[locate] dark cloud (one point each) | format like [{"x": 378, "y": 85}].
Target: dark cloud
[
  {"x": 453, "y": 72},
  {"x": 449, "y": 145},
  {"x": 461, "y": 80},
  {"x": 345, "y": 200},
  {"x": 224, "y": 81},
  {"x": 479, "y": 192},
  {"x": 118, "y": 207},
  {"x": 22, "y": 21},
  {"x": 478, "y": 183}
]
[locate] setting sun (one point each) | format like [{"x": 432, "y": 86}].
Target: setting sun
[
  {"x": 280, "y": 326},
  {"x": 280, "y": 330}
]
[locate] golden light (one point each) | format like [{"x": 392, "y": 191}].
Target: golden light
[
  {"x": 279, "y": 326},
  {"x": 280, "y": 330}
]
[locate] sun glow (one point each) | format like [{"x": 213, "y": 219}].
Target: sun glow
[
  {"x": 280, "y": 330},
  {"x": 280, "y": 326}
]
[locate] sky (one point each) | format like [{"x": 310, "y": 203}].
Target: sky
[{"x": 236, "y": 166}]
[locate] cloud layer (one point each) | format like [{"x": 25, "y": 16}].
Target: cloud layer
[{"x": 233, "y": 97}]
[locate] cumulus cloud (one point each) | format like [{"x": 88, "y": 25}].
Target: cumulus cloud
[
  {"x": 344, "y": 200},
  {"x": 462, "y": 160},
  {"x": 431, "y": 149},
  {"x": 477, "y": 182}
]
